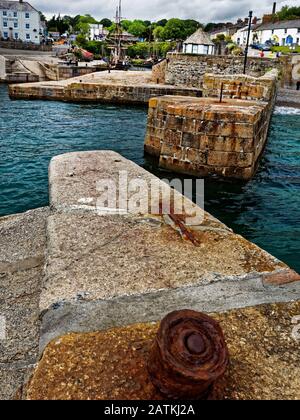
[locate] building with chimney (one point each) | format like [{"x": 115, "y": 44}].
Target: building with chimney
[{"x": 20, "y": 21}]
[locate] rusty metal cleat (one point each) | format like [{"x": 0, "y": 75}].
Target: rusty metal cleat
[{"x": 188, "y": 356}]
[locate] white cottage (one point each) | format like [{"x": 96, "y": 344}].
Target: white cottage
[
  {"x": 20, "y": 21},
  {"x": 286, "y": 32},
  {"x": 199, "y": 43}
]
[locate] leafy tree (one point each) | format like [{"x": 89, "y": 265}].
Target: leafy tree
[
  {"x": 162, "y": 22},
  {"x": 148, "y": 49},
  {"x": 126, "y": 24},
  {"x": 288, "y": 12},
  {"x": 83, "y": 28},
  {"x": 42, "y": 17},
  {"x": 82, "y": 23},
  {"x": 81, "y": 41},
  {"x": 174, "y": 30},
  {"x": 106, "y": 22},
  {"x": 158, "y": 33},
  {"x": 137, "y": 28},
  {"x": 191, "y": 26}
]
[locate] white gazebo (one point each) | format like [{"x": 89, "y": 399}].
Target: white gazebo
[{"x": 199, "y": 43}]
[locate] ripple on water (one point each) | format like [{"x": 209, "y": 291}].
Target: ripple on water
[{"x": 264, "y": 210}]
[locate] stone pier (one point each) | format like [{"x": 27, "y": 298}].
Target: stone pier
[
  {"x": 212, "y": 135},
  {"x": 120, "y": 87},
  {"x": 76, "y": 268}
]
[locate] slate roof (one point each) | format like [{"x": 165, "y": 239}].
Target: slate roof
[
  {"x": 200, "y": 38},
  {"x": 283, "y": 24},
  {"x": 16, "y": 6}
]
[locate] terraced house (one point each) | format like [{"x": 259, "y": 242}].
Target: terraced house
[
  {"x": 20, "y": 21},
  {"x": 286, "y": 32}
]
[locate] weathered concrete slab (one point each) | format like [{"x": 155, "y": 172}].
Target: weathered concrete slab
[
  {"x": 263, "y": 348},
  {"x": 22, "y": 252},
  {"x": 115, "y": 269}
]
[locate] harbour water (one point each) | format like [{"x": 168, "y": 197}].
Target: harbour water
[{"x": 264, "y": 210}]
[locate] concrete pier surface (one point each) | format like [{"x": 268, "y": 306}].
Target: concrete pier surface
[
  {"x": 78, "y": 267},
  {"x": 124, "y": 87}
]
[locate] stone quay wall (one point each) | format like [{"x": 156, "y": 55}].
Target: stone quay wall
[
  {"x": 204, "y": 137},
  {"x": 100, "y": 93},
  {"x": 67, "y": 72},
  {"x": 189, "y": 70}
]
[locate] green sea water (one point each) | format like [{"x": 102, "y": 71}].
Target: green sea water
[{"x": 264, "y": 210}]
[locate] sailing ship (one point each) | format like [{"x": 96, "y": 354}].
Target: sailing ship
[{"x": 119, "y": 60}]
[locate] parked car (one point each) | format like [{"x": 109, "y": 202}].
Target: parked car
[
  {"x": 255, "y": 46},
  {"x": 266, "y": 47},
  {"x": 262, "y": 47}
]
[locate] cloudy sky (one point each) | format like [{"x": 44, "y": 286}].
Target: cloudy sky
[{"x": 202, "y": 10}]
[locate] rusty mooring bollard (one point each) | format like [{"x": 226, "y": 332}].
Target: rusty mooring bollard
[{"x": 188, "y": 355}]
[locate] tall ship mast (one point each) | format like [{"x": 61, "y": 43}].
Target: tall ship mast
[
  {"x": 119, "y": 52},
  {"x": 119, "y": 30}
]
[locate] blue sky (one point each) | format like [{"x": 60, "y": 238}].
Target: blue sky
[{"x": 202, "y": 10}]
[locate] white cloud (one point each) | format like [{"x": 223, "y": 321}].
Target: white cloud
[{"x": 202, "y": 10}]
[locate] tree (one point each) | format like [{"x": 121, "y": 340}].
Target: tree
[
  {"x": 106, "y": 22},
  {"x": 42, "y": 17},
  {"x": 288, "y": 12},
  {"x": 174, "y": 30},
  {"x": 83, "y": 28},
  {"x": 158, "y": 33},
  {"x": 162, "y": 22},
  {"x": 125, "y": 24},
  {"x": 191, "y": 26},
  {"x": 82, "y": 23},
  {"x": 137, "y": 28}
]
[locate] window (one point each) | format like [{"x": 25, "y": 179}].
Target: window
[
  {"x": 298, "y": 30},
  {"x": 4, "y": 13},
  {"x": 16, "y": 35},
  {"x": 27, "y": 15},
  {"x": 285, "y": 31},
  {"x": 273, "y": 31},
  {"x": 5, "y": 34},
  {"x": 15, "y": 24},
  {"x": 5, "y": 24},
  {"x": 27, "y": 36},
  {"x": 27, "y": 26},
  {"x": 15, "y": 14}
]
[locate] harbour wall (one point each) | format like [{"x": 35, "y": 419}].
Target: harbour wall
[
  {"x": 203, "y": 136},
  {"x": 189, "y": 70},
  {"x": 100, "y": 93}
]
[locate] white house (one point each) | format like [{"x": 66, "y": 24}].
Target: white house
[
  {"x": 20, "y": 21},
  {"x": 240, "y": 36},
  {"x": 97, "y": 32},
  {"x": 286, "y": 32},
  {"x": 199, "y": 43}
]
